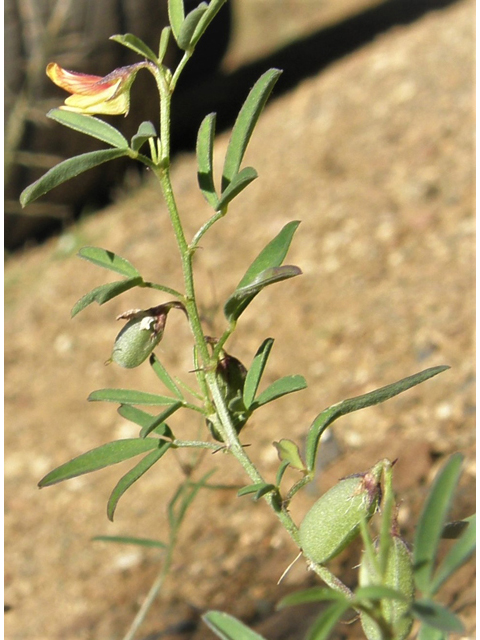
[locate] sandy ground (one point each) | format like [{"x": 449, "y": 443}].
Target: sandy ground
[{"x": 375, "y": 156}]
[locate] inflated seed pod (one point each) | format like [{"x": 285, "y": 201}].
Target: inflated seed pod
[
  {"x": 399, "y": 576},
  {"x": 141, "y": 334},
  {"x": 334, "y": 520}
]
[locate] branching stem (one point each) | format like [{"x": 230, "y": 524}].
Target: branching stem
[{"x": 208, "y": 362}]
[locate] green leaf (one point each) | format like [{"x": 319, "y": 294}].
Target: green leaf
[
  {"x": 145, "y": 420},
  {"x": 141, "y": 542},
  {"x": 109, "y": 260},
  {"x": 185, "y": 495},
  {"x": 245, "y": 123},
  {"x": 89, "y": 125},
  {"x": 430, "y": 525},
  {"x": 158, "y": 420},
  {"x": 104, "y": 293},
  {"x": 329, "y": 415},
  {"x": 205, "y": 139},
  {"x": 255, "y": 373},
  {"x": 288, "y": 384},
  {"x": 213, "y": 8},
  {"x": 137, "y": 416},
  {"x": 259, "y": 489},
  {"x": 270, "y": 257},
  {"x": 145, "y": 131},
  {"x": 189, "y": 25},
  {"x": 267, "y": 488},
  {"x": 164, "y": 430},
  {"x": 128, "y": 396},
  {"x": 227, "y": 627},
  {"x": 133, "y": 475},
  {"x": 288, "y": 451},
  {"x": 326, "y": 621},
  {"x": 251, "y": 488},
  {"x": 176, "y": 16},
  {"x": 135, "y": 44},
  {"x": 98, "y": 458},
  {"x": 164, "y": 376},
  {"x": 163, "y": 46},
  {"x": 269, "y": 276},
  {"x": 68, "y": 169},
  {"x": 281, "y": 472},
  {"x": 314, "y": 594},
  {"x": 379, "y": 592},
  {"x": 460, "y": 552},
  {"x": 242, "y": 297},
  {"x": 236, "y": 186},
  {"x": 435, "y": 615},
  {"x": 430, "y": 633}
]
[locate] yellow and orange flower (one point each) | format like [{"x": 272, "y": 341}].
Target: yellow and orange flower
[{"x": 109, "y": 95}]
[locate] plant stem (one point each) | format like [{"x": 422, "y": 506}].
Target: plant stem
[
  {"x": 206, "y": 371},
  {"x": 163, "y": 175},
  {"x": 161, "y": 287},
  {"x": 152, "y": 594},
  {"x": 222, "y": 418},
  {"x": 175, "y": 520},
  {"x": 222, "y": 340},
  {"x": 201, "y": 232},
  {"x": 196, "y": 444},
  {"x": 330, "y": 579},
  {"x": 186, "y": 57},
  {"x": 165, "y": 102}
]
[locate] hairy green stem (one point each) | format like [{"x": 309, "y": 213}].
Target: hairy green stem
[
  {"x": 204, "y": 228},
  {"x": 223, "y": 423},
  {"x": 223, "y": 339},
  {"x": 331, "y": 580},
  {"x": 196, "y": 444},
  {"x": 206, "y": 371},
  {"x": 163, "y": 175},
  {"x": 186, "y": 57},
  {"x": 165, "y": 102}
]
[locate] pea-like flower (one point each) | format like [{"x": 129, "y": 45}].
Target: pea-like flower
[{"x": 109, "y": 95}]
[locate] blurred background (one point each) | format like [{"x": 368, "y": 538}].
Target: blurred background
[{"x": 246, "y": 37}]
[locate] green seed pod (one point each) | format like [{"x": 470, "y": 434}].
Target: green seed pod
[
  {"x": 334, "y": 520},
  {"x": 137, "y": 340},
  {"x": 141, "y": 334},
  {"x": 399, "y": 576},
  {"x": 231, "y": 375}
]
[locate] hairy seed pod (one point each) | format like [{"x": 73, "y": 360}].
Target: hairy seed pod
[
  {"x": 137, "y": 340},
  {"x": 399, "y": 576},
  {"x": 334, "y": 520}
]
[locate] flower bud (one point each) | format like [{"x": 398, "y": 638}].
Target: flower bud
[
  {"x": 334, "y": 520},
  {"x": 399, "y": 576},
  {"x": 141, "y": 334}
]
